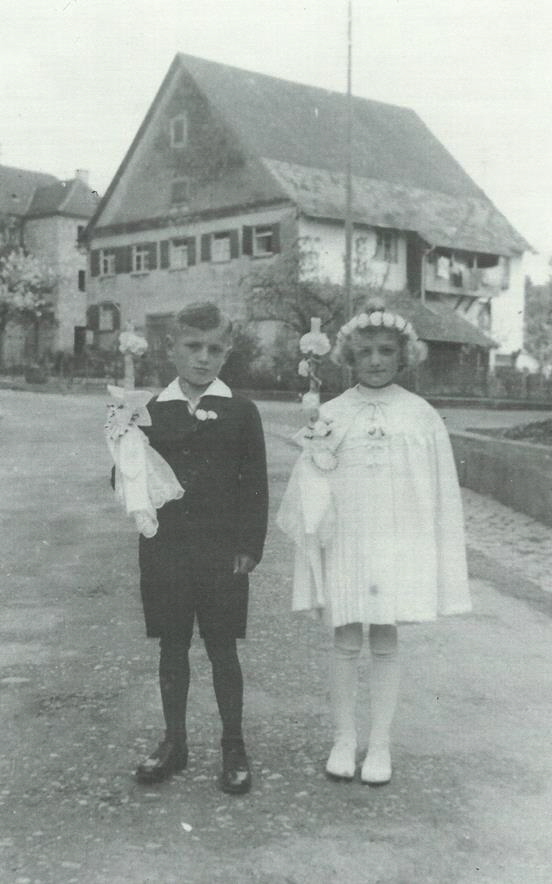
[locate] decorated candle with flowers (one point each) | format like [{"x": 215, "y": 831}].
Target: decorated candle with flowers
[
  {"x": 313, "y": 345},
  {"x": 131, "y": 345}
]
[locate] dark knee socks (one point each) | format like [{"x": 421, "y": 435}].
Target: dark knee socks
[
  {"x": 174, "y": 682},
  {"x": 228, "y": 685}
]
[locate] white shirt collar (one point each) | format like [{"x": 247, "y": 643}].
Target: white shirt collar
[{"x": 174, "y": 391}]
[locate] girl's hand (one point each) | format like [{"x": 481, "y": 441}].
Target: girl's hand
[{"x": 244, "y": 564}]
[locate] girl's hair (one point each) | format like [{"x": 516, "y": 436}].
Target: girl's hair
[
  {"x": 374, "y": 317},
  {"x": 204, "y": 315}
]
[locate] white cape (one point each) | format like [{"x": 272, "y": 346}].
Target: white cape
[{"x": 379, "y": 539}]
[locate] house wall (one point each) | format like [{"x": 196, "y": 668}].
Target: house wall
[
  {"x": 54, "y": 239},
  {"x": 507, "y": 311},
  {"x": 323, "y": 247},
  {"x": 162, "y": 291}
]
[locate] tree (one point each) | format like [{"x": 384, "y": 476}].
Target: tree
[
  {"x": 26, "y": 287},
  {"x": 284, "y": 293},
  {"x": 538, "y": 321},
  {"x": 288, "y": 291}
]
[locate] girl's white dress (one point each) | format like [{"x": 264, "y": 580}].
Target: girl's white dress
[{"x": 379, "y": 538}]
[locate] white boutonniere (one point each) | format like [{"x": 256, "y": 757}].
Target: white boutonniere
[{"x": 203, "y": 415}]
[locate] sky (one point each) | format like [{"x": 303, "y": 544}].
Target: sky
[{"x": 78, "y": 77}]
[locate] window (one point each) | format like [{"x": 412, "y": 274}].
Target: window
[
  {"x": 262, "y": 241},
  {"x": 140, "y": 258},
  {"x": 220, "y": 247},
  {"x": 386, "y": 246},
  {"x": 179, "y": 131},
  {"x": 82, "y": 280},
  {"x": 107, "y": 262},
  {"x": 180, "y": 190},
  {"x": 178, "y": 254}
]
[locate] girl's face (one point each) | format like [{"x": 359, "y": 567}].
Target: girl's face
[{"x": 376, "y": 356}]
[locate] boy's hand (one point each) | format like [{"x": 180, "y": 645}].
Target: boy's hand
[{"x": 243, "y": 564}]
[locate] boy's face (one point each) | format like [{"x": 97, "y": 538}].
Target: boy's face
[
  {"x": 199, "y": 356},
  {"x": 376, "y": 357}
]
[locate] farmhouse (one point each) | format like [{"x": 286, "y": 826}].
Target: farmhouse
[{"x": 232, "y": 168}]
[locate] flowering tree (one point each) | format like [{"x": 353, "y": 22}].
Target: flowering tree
[{"x": 26, "y": 286}]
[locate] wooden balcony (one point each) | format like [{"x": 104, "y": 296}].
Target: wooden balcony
[{"x": 477, "y": 282}]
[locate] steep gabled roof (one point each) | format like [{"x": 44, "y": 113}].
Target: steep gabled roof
[
  {"x": 306, "y": 125},
  {"x": 403, "y": 176},
  {"x": 73, "y": 198},
  {"x": 17, "y": 188}
]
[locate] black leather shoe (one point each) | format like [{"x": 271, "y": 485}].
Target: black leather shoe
[
  {"x": 168, "y": 758},
  {"x": 236, "y": 776}
]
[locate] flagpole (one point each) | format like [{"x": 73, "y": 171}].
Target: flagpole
[{"x": 349, "y": 170}]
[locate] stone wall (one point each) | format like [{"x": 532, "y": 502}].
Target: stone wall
[{"x": 518, "y": 474}]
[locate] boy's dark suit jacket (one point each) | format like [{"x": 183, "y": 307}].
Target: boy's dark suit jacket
[{"x": 221, "y": 464}]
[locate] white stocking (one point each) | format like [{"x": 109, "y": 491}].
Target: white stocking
[
  {"x": 344, "y": 679},
  {"x": 384, "y": 689}
]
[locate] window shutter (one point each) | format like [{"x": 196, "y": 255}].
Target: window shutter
[
  {"x": 247, "y": 241},
  {"x": 164, "y": 254},
  {"x": 152, "y": 249},
  {"x": 234, "y": 244},
  {"x": 191, "y": 251},
  {"x": 122, "y": 262},
  {"x": 93, "y": 317},
  {"x": 205, "y": 246},
  {"x": 95, "y": 262},
  {"x": 116, "y": 308},
  {"x": 276, "y": 247}
]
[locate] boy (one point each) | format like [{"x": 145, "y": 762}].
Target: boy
[{"x": 197, "y": 564}]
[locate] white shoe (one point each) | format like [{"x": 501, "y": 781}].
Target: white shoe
[
  {"x": 376, "y": 770},
  {"x": 341, "y": 764}
]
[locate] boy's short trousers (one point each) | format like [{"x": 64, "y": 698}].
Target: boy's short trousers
[{"x": 177, "y": 589}]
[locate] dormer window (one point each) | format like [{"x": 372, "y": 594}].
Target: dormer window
[{"x": 179, "y": 131}]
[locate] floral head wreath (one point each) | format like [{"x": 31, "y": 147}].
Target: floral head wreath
[{"x": 379, "y": 318}]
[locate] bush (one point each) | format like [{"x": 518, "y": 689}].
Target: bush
[
  {"x": 36, "y": 374},
  {"x": 238, "y": 369}
]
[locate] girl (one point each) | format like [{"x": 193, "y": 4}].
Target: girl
[{"x": 374, "y": 508}]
